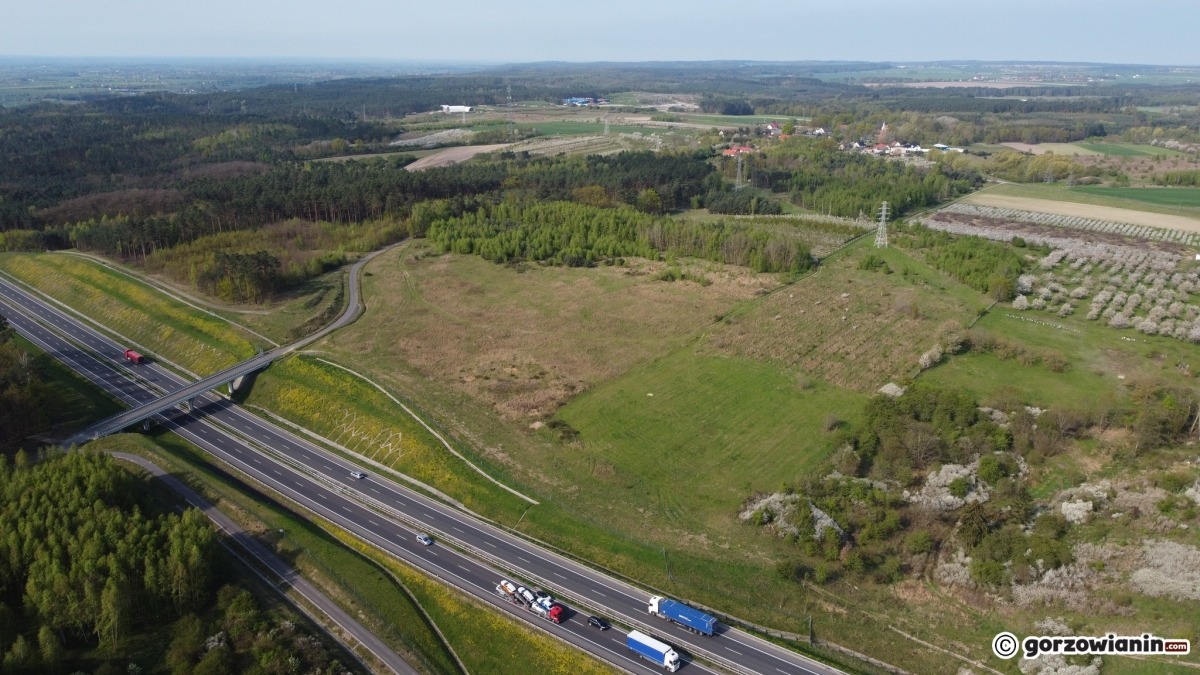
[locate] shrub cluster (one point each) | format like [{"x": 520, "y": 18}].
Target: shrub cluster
[
  {"x": 741, "y": 202},
  {"x": 820, "y": 177},
  {"x": 926, "y": 425},
  {"x": 843, "y": 526},
  {"x": 983, "y": 342},
  {"x": 987, "y": 266}
]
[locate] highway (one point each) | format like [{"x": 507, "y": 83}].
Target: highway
[{"x": 387, "y": 515}]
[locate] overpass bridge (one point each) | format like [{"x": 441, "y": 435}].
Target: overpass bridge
[{"x": 141, "y": 414}]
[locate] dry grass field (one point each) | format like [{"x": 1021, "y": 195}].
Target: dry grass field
[
  {"x": 525, "y": 340},
  {"x": 452, "y": 156},
  {"x": 850, "y": 327}
]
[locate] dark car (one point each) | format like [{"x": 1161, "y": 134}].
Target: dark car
[{"x": 598, "y": 623}]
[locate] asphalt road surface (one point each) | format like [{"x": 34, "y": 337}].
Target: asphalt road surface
[{"x": 388, "y": 515}]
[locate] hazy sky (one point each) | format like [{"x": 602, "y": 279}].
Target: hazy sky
[{"x": 1116, "y": 31}]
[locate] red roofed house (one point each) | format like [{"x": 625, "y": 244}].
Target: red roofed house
[{"x": 737, "y": 150}]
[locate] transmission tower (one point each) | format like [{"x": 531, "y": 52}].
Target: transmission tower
[
  {"x": 606, "y": 123},
  {"x": 881, "y": 233},
  {"x": 511, "y": 133},
  {"x": 739, "y": 173}
]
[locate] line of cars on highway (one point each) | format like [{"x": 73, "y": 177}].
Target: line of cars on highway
[{"x": 656, "y": 651}]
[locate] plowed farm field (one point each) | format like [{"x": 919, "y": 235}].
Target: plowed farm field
[{"x": 1078, "y": 210}]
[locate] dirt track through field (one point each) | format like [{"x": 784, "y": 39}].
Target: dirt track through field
[
  {"x": 1087, "y": 211},
  {"x": 453, "y": 156}
]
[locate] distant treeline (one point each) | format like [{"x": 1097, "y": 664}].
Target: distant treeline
[
  {"x": 354, "y": 192},
  {"x": 820, "y": 177},
  {"x": 726, "y": 106},
  {"x": 245, "y": 237},
  {"x": 208, "y": 188},
  {"x": 53, "y": 154},
  {"x": 1002, "y": 101},
  {"x": 577, "y": 235},
  {"x": 56, "y": 152}
]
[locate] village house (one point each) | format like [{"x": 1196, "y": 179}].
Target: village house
[{"x": 737, "y": 150}]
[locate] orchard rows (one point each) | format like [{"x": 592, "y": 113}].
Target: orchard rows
[
  {"x": 1076, "y": 222},
  {"x": 1137, "y": 290},
  {"x": 1126, "y": 286}
]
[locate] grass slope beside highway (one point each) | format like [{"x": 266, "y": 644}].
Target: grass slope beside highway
[{"x": 138, "y": 312}]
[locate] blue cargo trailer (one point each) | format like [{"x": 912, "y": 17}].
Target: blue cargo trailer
[{"x": 691, "y": 619}]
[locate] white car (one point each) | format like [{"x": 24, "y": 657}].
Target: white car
[
  {"x": 358, "y": 474},
  {"x": 425, "y": 539},
  {"x": 526, "y": 595}
]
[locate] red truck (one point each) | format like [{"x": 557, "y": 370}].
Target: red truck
[
  {"x": 543, "y": 606},
  {"x": 134, "y": 357}
]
